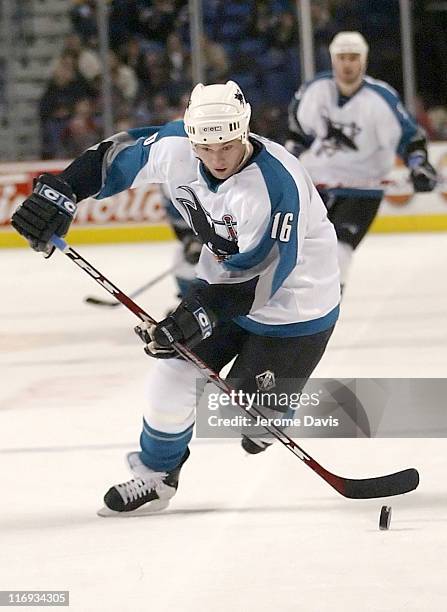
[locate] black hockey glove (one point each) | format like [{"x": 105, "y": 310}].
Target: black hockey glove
[
  {"x": 423, "y": 175},
  {"x": 48, "y": 210},
  {"x": 189, "y": 324},
  {"x": 192, "y": 247}
]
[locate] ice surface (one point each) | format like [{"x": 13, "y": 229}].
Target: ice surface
[{"x": 256, "y": 533}]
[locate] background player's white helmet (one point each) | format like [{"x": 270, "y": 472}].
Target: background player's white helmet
[
  {"x": 349, "y": 42},
  {"x": 217, "y": 113}
]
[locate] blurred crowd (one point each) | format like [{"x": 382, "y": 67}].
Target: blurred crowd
[{"x": 254, "y": 42}]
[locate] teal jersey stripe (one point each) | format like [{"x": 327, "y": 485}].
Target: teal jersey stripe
[
  {"x": 407, "y": 123},
  {"x": 133, "y": 158},
  {"x": 284, "y": 198},
  {"x": 124, "y": 168},
  {"x": 290, "y": 330}
]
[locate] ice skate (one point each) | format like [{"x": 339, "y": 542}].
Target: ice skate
[{"x": 148, "y": 492}]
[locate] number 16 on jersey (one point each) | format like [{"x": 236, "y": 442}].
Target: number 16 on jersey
[{"x": 282, "y": 226}]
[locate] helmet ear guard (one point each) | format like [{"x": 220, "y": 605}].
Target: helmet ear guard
[{"x": 217, "y": 114}]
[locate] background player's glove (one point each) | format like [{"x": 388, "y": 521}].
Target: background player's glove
[
  {"x": 192, "y": 247},
  {"x": 189, "y": 324},
  {"x": 423, "y": 175},
  {"x": 48, "y": 210}
]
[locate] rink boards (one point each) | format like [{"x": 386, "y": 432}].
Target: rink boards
[{"x": 138, "y": 215}]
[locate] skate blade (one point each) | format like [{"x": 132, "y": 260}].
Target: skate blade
[{"x": 150, "y": 508}]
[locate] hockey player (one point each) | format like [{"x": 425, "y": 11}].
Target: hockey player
[
  {"x": 347, "y": 128},
  {"x": 269, "y": 286}
]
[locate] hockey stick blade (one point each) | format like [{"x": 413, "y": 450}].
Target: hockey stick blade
[
  {"x": 98, "y": 302},
  {"x": 380, "y": 486}
]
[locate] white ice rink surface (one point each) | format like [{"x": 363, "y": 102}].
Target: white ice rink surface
[{"x": 244, "y": 533}]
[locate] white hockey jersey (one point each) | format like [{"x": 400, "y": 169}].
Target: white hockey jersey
[
  {"x": 353, "y": 140},
  {"x": 267, "y": 221}
]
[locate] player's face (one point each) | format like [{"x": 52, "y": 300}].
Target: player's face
[
  {"x": 347, "y": 67},
  {"x": 222, "y": 160}
]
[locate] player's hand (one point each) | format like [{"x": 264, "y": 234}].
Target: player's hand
[
  {"x": 423, "y": 175},
  {"x": 146, "y": 331},
  {"x": 48, "y": 210},
  {"x": 189, "y": 324},
  {"x": 192, "y": 247}
]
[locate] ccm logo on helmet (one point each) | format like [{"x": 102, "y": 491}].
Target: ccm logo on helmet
[
  {"x": 204, "y": 322},
  {"x": 58, "y": 198},
  {"x": 212, "y": 128}
]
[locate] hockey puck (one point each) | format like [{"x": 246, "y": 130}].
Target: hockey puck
[{"x": 385, "y": 518}]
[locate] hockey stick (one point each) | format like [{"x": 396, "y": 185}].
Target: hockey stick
[
  {"x": 379, "y": 486},
  {"x": 99, "y": 302}
]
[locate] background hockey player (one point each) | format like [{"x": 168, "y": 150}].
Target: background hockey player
[
  {"x": 347, "y": 128},
  {"x": 269, "y": 286}
]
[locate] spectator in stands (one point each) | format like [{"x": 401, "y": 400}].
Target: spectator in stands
[
  {"x": 65, "y": 88},
  {"x": 217, "y": 63},
  {"x": 122, "y": 18},
  {"x": 156, "y": 20},
  {"x": 72, "y": 45},
  {"x": 161, "y": 110},
  {"x": 263, "y": 19},
  {"x": 151, "y": 63},
  {"x": 283, "y": 33},
  {"x": 229, "y": 21},
  {"x": 154, "y": 79},
  {"x": 83, "y": 18},
  {"x": 82, "y": 129},
  {"x": 268, "y": 122},
  {"x": 89, "y": 61},
  {"x": 178, "y": 59},
  {"x": 123, "y": 77},
  {"x": 132, "y": 54}
]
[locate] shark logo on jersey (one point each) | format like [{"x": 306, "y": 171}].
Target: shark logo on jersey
[
  {"x": 205, "y": 227},
  {"x": 339, "y": 137}
]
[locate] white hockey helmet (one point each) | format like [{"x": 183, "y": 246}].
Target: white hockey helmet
[
  {"x": 217, "y": 113},
  {"x": 349, "y": 42}
]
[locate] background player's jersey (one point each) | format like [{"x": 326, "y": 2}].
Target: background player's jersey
[
  {"x": 265, "y": 226},
  {"x": 351, "y": 141}
]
